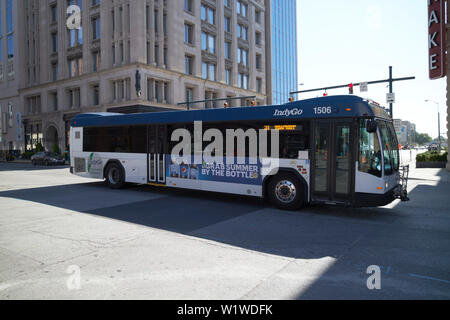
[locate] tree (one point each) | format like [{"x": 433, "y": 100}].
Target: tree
[
  {"x": 39, "y": 147},
  {"x": 422, "y": 138}
]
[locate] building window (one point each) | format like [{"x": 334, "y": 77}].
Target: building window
[
  {"x": 210, "y": 95},
  {"x": 95, "y": 2},
  {"x": 95, "y": 61},
  {"x": 228, "y": 76},
  {"x": 165, "y": 24},
  {"x": 241, "y": 8},
  {"x": 242, "y": 56},
  {"x": 155, "y": 20},
  {"x": 207, "y": 14},
  {"x": 157, "y": 54},
  {"x": 258, "y": 62},
  {"x": 113, "y": 22},
  {"x": 188, "y": 65},
  {"x": 208, "y": 42},
  {"x": 258, "y": 38},
  {"x": 96, "y": 95},
  {"x": 188, "y": 5},
  {"x": 10, "y": 46},
  {"x": 33, "y": 105},
  {"x": 122, "y": 53},
  {"x": 158, "y": 91},
  {"x": 242, "y": 32},
  {"x": 74, "y": 98},
  {"x": 54, "y": 13},
  {"x": 54, "y": 71},
  {"x": 121, "y": 19},
  {"x": 9, "y": 16},
  {"x": 166, "y": 56},
  {"x": 209, "y": 71},
  {"x": 259, "y": 85},
  {"x": 96, "y": 28},
  {"x": 188, "y": 33},
  {"x": 243, "y": 81},
  {"x": 227, "y": 49},
  {"x": 54, "y": 42},
  {"x": 10, "y": 115},
  {"x": 75, "y": 67},
  {"x": 75, "y": 35},
  {"x": 227, "y": 24},
  {"x": 257, "y": 16},
  {"x": 189, "y": 95},
  {"x": 114, "y": 54},
  {"x": 53, "y": 97},
  {"x": 121, "y": 89},
  {"x": 226, "y": 3},
  {"x": 166, "y": 92}
]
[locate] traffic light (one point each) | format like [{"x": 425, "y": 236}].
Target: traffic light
[
  {"x": 325, "y": 94},
  {"x": 350, "y": 88}
]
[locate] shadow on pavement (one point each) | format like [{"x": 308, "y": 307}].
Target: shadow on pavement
[
  {"x": 241, "y": 221},
  {"x": 12, "y": 166},
  {"x": 354, "y": 238}
]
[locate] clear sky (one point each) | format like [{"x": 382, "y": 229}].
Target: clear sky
[{"x": 344, "y": 41}]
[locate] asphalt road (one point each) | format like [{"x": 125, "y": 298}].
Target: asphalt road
[{"x": 65, "y": 237}]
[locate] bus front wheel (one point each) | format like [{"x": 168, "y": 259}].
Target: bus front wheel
[
  {"x": 114, "y": 176},
  {"x": 286, "y": 192}
]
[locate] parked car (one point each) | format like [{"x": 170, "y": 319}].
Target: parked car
[
  {"x": 432, "y": 147},
  {"x": 47, "y": 158}
]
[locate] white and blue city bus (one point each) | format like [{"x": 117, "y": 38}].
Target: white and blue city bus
[{"x": 339, "y": 150}]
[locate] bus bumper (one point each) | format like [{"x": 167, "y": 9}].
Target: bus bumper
[{"x": 374, "y": 200}]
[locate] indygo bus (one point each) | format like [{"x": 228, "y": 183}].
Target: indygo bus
[{"x": 339, "y": 150}]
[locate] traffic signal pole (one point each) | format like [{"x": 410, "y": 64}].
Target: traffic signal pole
[
  {"x": 390, "y": 80},
  {"x": 391, "y": 85}
]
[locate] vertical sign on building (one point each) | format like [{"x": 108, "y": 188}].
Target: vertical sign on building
[
  {"x": 436, "y": 39},
  {"x": 19, "y": 126}
]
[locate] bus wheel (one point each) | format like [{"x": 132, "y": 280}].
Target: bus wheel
[
  {"x": 286, "y": 192},
  {"x": 114, "y": 176}
]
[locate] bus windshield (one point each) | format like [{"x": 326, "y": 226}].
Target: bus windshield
[{"x": 390, "y": 147}]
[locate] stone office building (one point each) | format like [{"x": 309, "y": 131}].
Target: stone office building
[{"x": 183, "y": 50}]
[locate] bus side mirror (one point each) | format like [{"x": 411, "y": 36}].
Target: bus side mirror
[{"x": 371, "y": 126}]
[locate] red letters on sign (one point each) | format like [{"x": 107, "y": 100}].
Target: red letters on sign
[{"x": 436, "y": 39}]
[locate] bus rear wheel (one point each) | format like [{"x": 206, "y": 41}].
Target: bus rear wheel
[
  {"x": 286, "y": 192},
  {"x": 114, "y": 176}
]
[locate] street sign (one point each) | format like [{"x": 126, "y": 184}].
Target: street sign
[
  {"x": 363, "y": 87},
  {"x": 390, "y": 97},
  {"x": 436, "y": 39}
]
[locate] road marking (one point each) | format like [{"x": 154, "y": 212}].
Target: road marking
[{"x": 428, "y": 278}]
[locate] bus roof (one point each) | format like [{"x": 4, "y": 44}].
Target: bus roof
[{"x": 323, "y": 107}]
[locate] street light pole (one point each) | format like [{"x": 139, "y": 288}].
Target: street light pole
[{"x": 439, "y": 122}]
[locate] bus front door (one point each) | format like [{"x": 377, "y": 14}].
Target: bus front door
[
  {"x": 156, "y": 157},
  {"x": 332, "y": 170}
]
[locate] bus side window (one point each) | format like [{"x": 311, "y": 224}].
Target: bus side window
[
  {"x": 369, "y": 151},
  {"x": 294, "y": 141}
]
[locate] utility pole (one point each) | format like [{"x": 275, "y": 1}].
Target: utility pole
[
  {"x": 390, "y": 80},
  {"x": 439, "y": 123},
  {"x": 391, "y": 85}
]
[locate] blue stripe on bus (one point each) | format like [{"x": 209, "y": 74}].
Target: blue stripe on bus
[{"x": 341, "y": 106}]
